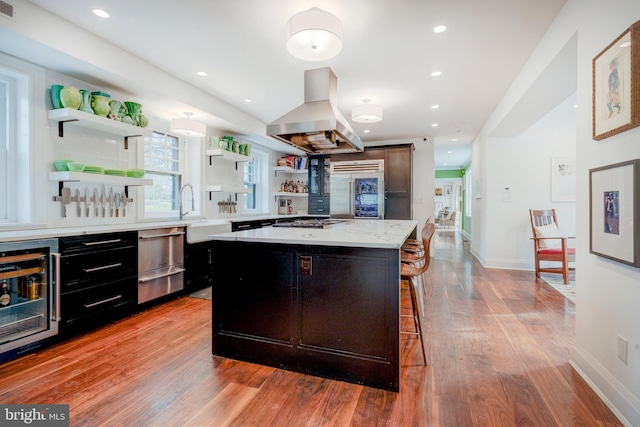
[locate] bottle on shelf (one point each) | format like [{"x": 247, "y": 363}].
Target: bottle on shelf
[{"x": 5, "y": 294}]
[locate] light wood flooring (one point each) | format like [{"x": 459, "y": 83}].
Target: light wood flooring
[{"x": 499, "y": 344}]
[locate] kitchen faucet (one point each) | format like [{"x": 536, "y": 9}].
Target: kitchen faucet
[{"x": 193, "y": 203}]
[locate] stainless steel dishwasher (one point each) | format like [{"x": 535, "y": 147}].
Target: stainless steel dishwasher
[{"x": 160, "y": 262}]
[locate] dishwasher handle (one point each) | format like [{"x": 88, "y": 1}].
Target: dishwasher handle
[
  {"x": 160, "y": 276},
  {"x": 153, "y": 236}
]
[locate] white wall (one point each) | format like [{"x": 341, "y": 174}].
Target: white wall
[
  {"x": 522, "y": 164},
  {"x": 607, "y": 292}
]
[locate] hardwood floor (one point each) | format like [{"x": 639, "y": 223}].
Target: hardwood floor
[{"x": 499, "y": 345}]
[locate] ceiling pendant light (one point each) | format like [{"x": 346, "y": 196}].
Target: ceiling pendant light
[
  {"x": 314, "y": 35},
  {"x": 366, "y": 113},
  {"x": 188, "y": 127}
]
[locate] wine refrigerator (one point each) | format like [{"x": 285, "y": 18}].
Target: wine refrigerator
[{"x": 29, "y": 295}]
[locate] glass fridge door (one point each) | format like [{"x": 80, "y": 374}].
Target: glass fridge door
[
  {"x": 25, "y": 295},
  {"x": 366, "y": 197}
]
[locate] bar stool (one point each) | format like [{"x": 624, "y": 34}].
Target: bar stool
[{"x": 412, "y": 273}]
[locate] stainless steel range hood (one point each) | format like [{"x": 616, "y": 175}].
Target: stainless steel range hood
[{"x": 317, "y": 126}]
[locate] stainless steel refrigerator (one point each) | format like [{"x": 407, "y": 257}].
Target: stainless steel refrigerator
[{"x": 357, "y": 189}]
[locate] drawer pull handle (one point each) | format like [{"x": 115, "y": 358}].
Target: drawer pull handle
[
  {"x": 160, "y": 276},
  {"x": 93, "y": 304},
  {"x": 102, "y": 242},
  {"x": 153, "y": 236},
  {"x": 243, "y": 226},
  {"x": 104, "y": 267}
]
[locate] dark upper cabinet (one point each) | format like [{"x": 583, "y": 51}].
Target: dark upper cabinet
[
  {"x": 319, "y": 185},
  {"x": 398, "y": 179},
  {"x": 319, "y": 176}
]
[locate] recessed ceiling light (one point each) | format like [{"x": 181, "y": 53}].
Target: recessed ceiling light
[
  {"x": 366, "y": 131},
  {"x": 435, "y": 106},
  {"x": 449, "y": 152},
  {"x": 440, "y": 29},
  {"x": 454, "y": 139},
  {"x": 248, "y": 100},
  {"x": 436, "y": 73},
  {"x": 101, "y": 13},
  {"x": 434, "y": 125},
  {"x": 202, "y": 74},
  {"x": 575, "y": 106},
  {"x": 446, "y": 164},
  {"x": 626, "y": 44}
]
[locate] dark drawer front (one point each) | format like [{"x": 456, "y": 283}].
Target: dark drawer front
[
  {"x": 97, "y": 242},
  {"x": 94, "y": 302},
  {"x": 318, "y": 205},
  {"x": 88, "y": 269}
]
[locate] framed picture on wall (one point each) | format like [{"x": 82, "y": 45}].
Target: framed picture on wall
[
  {"x": 447, "y": 190},
  {"x": 438, "y": 191},
  {"x": 615, "y": 212},
  {"x": 563, "y": 179},
  {"x": 616, "y": 86}
]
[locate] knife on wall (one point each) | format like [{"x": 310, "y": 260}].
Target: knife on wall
[
  {"x": 78, "y": 207},
  {"x": 95, "y": 201},
  {"x": 87, "y": 202},
  {"x": 66, "y": 200},
  {"x": 102, "y": 202},
  {"x": 111, "y": 204}
]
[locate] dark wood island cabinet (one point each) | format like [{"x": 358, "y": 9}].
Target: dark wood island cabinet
[{"x": 320, "y": 302}]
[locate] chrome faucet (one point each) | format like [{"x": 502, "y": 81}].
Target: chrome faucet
[{"x": 193, "y": 203}]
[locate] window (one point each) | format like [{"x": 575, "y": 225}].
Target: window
[
  {"x": 250, "y": 185},
  {"x": 162, "y": 156},
  {"x": 256, "y": 181},
  {"x": 18, "y": 81}
]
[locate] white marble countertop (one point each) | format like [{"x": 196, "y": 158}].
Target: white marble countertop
[
  {"x": 369, "y": 233},
  {"x": 42, "y": 232}
]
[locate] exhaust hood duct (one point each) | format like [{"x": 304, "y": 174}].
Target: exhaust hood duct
[{"x": 317, "y": 126}]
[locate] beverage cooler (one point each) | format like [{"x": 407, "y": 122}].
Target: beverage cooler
[{"x": 29, "y": 296}]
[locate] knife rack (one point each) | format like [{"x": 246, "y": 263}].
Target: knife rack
[
  {"x": 115, "y": 203},
  {"x": 61, "y": 186}
]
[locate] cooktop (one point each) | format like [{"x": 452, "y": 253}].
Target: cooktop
[{"x": 312, "y": 223}]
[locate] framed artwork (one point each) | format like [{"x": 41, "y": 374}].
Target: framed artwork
[
  {"x": 447, "y": 190},
  {"x": 615, "y": 212},
  {"x": 616, "y": 86},
  {"x": 438, "y": 191},
  {"x": 563, "y": 179}
]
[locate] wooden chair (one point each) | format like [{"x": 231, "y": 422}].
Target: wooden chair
[
  {"x": 411, "y": 273},
  {"x": 450, "y": 221},
  {"x": 549, "y": 244}
]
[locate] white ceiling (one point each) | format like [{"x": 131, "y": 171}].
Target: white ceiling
[{"x": 389, "y": 52}]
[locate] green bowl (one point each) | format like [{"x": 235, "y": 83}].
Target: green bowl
[
  {"x": 75, "y": 167},
  {"x": 61, "y": 165},
  {"x": 135, "y": 173}
]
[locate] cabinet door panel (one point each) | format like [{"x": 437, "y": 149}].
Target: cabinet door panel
[
  {"x": 327, "y": 318},
  {"x": 397, "y": 169},
  {"x": 260, "y": 292}
]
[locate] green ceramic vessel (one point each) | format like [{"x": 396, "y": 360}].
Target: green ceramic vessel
[
  {"x": 70, "y": 97},
  {"x": 100, "y": 105}
]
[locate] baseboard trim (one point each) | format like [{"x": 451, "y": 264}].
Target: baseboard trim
[{"x": 618, "y": 398}]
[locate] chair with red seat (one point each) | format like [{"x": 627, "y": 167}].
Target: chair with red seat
[{"x": 549, "y": 244}]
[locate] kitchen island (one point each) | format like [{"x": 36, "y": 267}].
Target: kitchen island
[{"x": 323, "y": 302}]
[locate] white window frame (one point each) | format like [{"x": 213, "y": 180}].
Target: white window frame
[
  {"x": 176, "y": 175},
  {"x": 261, "y": 161},
  {"x": 24, "y": 164}
]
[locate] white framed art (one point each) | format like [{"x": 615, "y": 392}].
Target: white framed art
[{"x": 563, "y": 179}]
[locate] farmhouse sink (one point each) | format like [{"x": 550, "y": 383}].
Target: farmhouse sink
[{"x": 199, "y": 230}]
